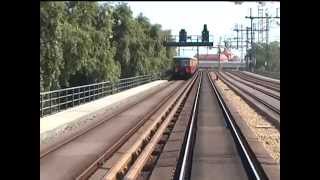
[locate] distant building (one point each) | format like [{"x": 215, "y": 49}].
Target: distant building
[
  {"x": 235, "y": 58},
  {"x": 225, "y": 56},
  {"x": 213, "y": 57},
  {"x": 227, "y": 53}
]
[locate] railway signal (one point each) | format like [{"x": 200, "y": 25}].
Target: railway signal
[
  {"x": 191, "y": 40},
  {"x": 205, "y": 34},
  {"x": 183, "y": 35}
]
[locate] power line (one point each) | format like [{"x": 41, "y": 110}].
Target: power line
[{"x": 267, "y": 18}]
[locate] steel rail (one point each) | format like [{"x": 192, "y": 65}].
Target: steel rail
[
  {"x": 140, "y": 162},
  {"x": 257, "y": 172},
  {"x": 231, "y": 75},
  {"x": 190, "y": 132},
  {"x": 276, "y": 110},
  {"x": 104, "y": 120},
  {"x": 151, "y": 135},
  {"x": 272, "y": 116},
  {"x": 263, "y": 79},
  {"x": 267, "y": 84}
]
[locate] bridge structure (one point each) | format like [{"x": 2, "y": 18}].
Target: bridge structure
[
  {"x": 52, "y": 102},
  {"x": 110, "y": 127}
]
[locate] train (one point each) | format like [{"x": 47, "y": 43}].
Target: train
[{"x": 184, "y": 67}]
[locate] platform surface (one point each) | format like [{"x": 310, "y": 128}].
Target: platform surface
[{"x": 54, "y": 121}]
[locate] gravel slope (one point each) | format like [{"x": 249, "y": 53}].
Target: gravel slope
[{"x": 268, "y": 135}]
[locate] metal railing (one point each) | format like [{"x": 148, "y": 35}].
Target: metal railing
[{"x": 57, "y": 100}]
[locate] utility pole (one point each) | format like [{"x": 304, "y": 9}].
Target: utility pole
[
  {"x": 241, "y": 56},
  {"x": 241, "y": 39},
  {"x": 267, "y": 42},
  {"x": 247, "y": 30},
  {"x": 260, "y": 25},
  {"x": 251, "y": 26},
  {"x": 247, "y": 34},
  {"x": 219, "y": 51},
  {"x": 237, "y": 35},
  {"x": 251, "y": 57},
  {"x": 197, "y": 48},
  {"x": 267, "y": 28}
]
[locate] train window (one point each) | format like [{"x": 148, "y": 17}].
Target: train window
[{"x": 182, "y": 62}]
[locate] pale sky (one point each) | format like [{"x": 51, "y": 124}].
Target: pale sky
[{"x": 220, "y": 17}]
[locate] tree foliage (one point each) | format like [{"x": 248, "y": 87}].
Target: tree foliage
[
  {"x": 267, "y": 57},
  {"x": 87, "y": 42}
]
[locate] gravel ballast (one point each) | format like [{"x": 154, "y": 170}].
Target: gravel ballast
[{"x": 267, "y": 134}]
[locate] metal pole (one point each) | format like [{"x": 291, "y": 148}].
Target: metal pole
[
  {"x": 90, "y": 98},
  {"x": 41, "y": 103},
  {"x": 241, "y": 58},
  {"x": 219, "y": 56},
  {"x": 197, "y": 48},
  {"x": 247, "y": 41},
  {"x": 267, "y": 40},
  {"x": 237, "y": 38},
  {"x": 50, "y": 102},
  {"x": 79, "y": 96},
  {"x": 72, "y": 97},
  {"x": 59, "y": 101},
  {"x": 251, "y": 26},
  {"x": 93, "y": 92}
]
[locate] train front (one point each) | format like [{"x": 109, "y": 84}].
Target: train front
[{"x": 183, "y": 67}]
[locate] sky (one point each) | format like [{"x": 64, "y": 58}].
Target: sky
[{"x": 220, "y": 17}]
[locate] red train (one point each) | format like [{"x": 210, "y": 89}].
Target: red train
[{"x": 185, "y": 67}]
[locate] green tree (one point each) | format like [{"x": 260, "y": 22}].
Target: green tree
[
  {"x": 51, "y": 54},
  {"x": 86, "y": 42},
  {"x": 267, "y": 55}
]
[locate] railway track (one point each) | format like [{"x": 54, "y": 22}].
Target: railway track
[
  {"x": 271, "y": 93},
  {"x": 79, "y": 156},
  {"x": 137, "y": 159},
  {"x": 262, "y": 82},
  {"x": 139, "y": 162},
  {"x": 228, "y": 155},
  {"x": 47, "y": 148},
  {"x": 188, "y": 134},
  {"x": 266, "y": 105}
]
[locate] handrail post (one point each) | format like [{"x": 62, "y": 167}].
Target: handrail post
[
  {"x": 89, "y": 89},
  {"x": 79, "y": 96},
  {"x": 50, "y": 102},
  {"x": 63, "y": 98},
  {"x": 72, "y": 97},
  {"x": 41, "y": 104},
  {"x": 94, "y": 92},
  {"x": 82, "y": 98},
  {"x": 58, "y": 100}
]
